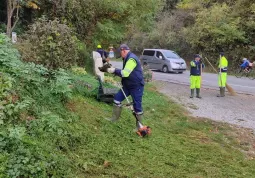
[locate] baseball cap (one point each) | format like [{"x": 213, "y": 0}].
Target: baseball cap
[
  {"x": 124, "y": 47},
  {"x": 197, "y": 55}
]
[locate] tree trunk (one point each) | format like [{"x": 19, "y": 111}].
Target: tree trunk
[
  {"x": 11, "y": 6},
  {"x": 9, "y": 18}
]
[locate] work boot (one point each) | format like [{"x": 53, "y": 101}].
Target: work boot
[
  {"x": 192, "y": 93},
  {"x": 198, "y": 93},
  {"x": 116, "y": 111},
  {"x": 221, "y": 92},
  {"x": 139, "y": 117}
]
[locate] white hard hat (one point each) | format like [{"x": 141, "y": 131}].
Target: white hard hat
[{"x": 244, "y": 59}]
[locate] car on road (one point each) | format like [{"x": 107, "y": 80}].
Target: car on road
[{"x": 163, "y": 60}]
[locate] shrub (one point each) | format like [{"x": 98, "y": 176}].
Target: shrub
[
  {"x": 50, "y": 43},
  {"x": 147, "y": 73}
]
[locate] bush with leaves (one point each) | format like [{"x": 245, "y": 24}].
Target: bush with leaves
[
  {"x": 35, "y": 125},
  {"x": 147, "y": 73},
  {"x": 51, "y": 43}
]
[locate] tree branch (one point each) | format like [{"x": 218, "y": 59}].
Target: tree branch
[{"x": 17, "y": 19}]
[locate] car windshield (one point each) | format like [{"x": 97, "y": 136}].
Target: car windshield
[{"x": 170, "y": 54}]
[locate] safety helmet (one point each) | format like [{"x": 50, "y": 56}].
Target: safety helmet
[
  {"x": 99, "y": 46},
  {"x": 244, "y": 59}
]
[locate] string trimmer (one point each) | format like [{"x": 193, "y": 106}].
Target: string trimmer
[{"x": 142, "y": 129}]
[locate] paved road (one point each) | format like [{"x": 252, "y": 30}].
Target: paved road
[{"x": 243, "y": 85}]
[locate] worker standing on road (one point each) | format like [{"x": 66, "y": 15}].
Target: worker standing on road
[
  {"x": 196, "y": 66},
  {"x": 103, "y": 54},
  {"x": 132, "y": 81},
  {"x": 222, "y": 76}
]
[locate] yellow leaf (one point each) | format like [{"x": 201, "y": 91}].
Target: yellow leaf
[{"x": 32, "y": 5}]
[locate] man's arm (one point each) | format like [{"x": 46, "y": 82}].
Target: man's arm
[
  {"x": 129, "y": 67},
  {"x": 192, "y": 64},
  {"x": 105, "y": 54}
]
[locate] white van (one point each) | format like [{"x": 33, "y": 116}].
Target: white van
[{"x": 163, "y": 60}]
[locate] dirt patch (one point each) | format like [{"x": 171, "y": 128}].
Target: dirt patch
[{"x": 230, "y": 109}]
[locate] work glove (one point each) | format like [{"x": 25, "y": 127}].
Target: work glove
[
  {"x": 110, "y": 70},
  {"x": 105, "y": 67}
]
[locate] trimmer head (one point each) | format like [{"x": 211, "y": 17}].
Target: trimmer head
[{"x": 144, "y": 131}]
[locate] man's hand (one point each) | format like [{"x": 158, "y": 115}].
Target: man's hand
[{"x": 105, "y": 67}]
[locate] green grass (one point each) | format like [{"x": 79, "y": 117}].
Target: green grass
[{"x": 178, "y": 147}]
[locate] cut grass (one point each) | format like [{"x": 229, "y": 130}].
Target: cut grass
[{"x": 179, "y": 146}]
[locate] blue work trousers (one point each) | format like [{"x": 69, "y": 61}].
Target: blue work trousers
[{"x": 136, "y": 94}]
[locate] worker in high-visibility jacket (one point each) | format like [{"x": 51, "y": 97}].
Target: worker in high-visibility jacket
[
  {"x": 132, "y": 80},
  {"x": 196, "y": 66},
  {"x": 222, "y": 76}
]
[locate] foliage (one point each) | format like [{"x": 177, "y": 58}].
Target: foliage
[
  {"x": 13, "y": 10},
  {"x": 106, "y": 21},
  {"x": 170, "y": 5},
  {"x": 79, "y": 71},
  {"x": 54, "y": 44},
  {"x": 110, "y": 80},
  {"x": 147, "y": 73},
  {"x": 2, "y": 28},
  {"x": 215, "y": 25},
  {"x": 224, "y": 24},
  {"x": 33, "y": 117},
  {"x": 97, "y": 21}
]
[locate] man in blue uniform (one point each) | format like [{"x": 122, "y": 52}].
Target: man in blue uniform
[
  {"x": 132, "y": 82},
  {"x": 195, "y": 75},
  {"x": 103, "y": 54}
]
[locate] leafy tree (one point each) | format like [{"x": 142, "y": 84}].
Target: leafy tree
[
  {"x": 214, "y": 29},
  {"x": 13, "y": 10}
]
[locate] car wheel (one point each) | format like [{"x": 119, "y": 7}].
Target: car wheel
[{"x": 165, "y": 69}]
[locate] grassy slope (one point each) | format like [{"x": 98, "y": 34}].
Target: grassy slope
[{"x": 179, "y": 146}]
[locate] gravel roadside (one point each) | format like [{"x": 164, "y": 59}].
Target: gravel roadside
[{"x": 238, "y": 110}]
